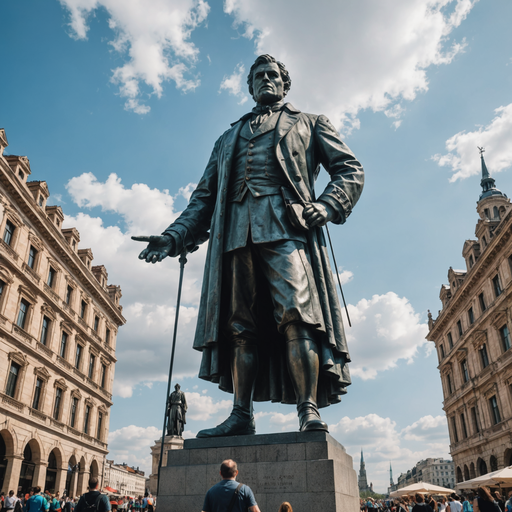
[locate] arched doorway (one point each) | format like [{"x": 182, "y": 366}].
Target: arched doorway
[
  {"x": 482, "y": 467},
  {"x": 494, "y": 463},
  {"x": 71, "y": 477},
  {"x": 459, "y": 474},
  {"x": 94, "y": 470},
  {"x": 27, "y": 470},
  {"x": 466, "y": 472},
  {"x": 472, "y": 472},
  {"x": 508, "y": 457},
  {"x": 51, "y": 473},
  {"x": 3, "y": 460}
]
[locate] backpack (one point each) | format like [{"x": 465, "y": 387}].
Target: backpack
[{"x": 94, "y": 506}]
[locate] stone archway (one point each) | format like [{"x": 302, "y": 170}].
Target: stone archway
[
  {"x": 31, "y": 455},
  {"x": 493, "y": 463},
  {"x": 9, "y": 465},
  {"x": 482, "y": 467},
  {"x": 466, "y": 472},
  {"x": 3, "y": 460},
  {"x": 71, "y": 477},
  {"x": 83, "y": 477},
  {"x": 52, "y": 471},
  {"x": 508, "y": 457},
  {"x": 472, "y": 472},
  {"x": 459, "y": 474}
]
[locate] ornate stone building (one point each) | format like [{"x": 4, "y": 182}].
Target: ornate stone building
[
  {"x": 432, "y": 471},
  {"x": 58, "y": 327},
  {"x": 128, "y": 481},
  {"x": 472, "y": 338}
]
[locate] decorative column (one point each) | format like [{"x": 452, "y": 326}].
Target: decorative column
[
  {"x": 12, "y": 473},
  {"x": 39, "y": 477},
  {"x": 60, "y": 480},
  {"x": 83, "y": 482}
]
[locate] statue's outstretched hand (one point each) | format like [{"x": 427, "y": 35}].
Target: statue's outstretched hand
[
  {"x": 318, "y": 214},
  {"x": 158, "y": 247}
]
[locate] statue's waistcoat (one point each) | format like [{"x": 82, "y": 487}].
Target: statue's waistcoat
[{"x": 255, "y": 203}]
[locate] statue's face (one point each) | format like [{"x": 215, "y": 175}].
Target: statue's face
[{"x": 267, "y": 84}]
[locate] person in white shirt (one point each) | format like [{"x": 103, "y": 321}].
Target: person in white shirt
[
  {"x": 10, "y": 501},
  {"x": 455, "y": 504}
]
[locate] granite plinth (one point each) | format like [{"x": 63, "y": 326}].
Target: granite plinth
[{"x": 311, "y": 470}]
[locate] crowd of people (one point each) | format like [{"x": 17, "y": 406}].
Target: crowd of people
[
  {"x": 92, "y": 501},
  {"x": 484, "y": 500}
]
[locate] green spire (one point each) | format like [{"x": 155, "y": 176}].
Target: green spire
[{"x": 487, "y": 183}]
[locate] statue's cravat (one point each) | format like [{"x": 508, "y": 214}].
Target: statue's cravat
[{"x": 260, "y": 113}]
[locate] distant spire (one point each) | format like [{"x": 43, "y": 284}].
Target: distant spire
[
  {"x": 390, "y": 474},
  {"x": 487, "y": 183}
]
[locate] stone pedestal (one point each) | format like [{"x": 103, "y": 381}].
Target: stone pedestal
[
  {"x": 170, "y": 443},
  {"x": 311, "y": 470}
]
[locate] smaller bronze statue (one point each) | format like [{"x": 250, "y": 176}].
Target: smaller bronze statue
[{"x": 176, "y": 410}]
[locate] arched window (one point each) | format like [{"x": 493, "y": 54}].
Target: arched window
[
  {"x": 482, "y": 467},
  {"x": 466, "y": 472},
  {"x": 496, "y": 213},
  {"x": 27, "y": 470},
  {"x": 51, "y": 472},
  {"x": 459, "y": 474},
  {"x": 494, "y": 463}
]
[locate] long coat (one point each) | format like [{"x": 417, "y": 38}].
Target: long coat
[{"x": 302, "y": 143}]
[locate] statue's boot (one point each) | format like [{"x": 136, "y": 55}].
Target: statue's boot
[
  {"x": 244, "y": 369},
  {"x": 303, "y": 366}
]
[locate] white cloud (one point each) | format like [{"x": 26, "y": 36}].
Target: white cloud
[
  {"x": 203, "y": 407},
  {"x": 345, "y": 276},
  {"x": 285, "y": 422},
  {"x": 233, "y": 84},
  {"x": 154, "y": 35},
  {"x": 383, "y": 443},
  {"x": 131, "y": 444},
  {"x": 345, "y": 57},
  {"x": 149, "y": 291},
  {"x": 462, "y": 154},
  {"x": 384, "y": 330}
]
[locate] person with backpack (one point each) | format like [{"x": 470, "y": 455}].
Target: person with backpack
[
  {"x": 93, "y": 501},
  {"x": 37, "y": 502},
  {"x": 54, "y": 504}
]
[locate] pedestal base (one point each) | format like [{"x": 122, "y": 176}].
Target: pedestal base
[
  {"x": 170, "y": 443},
  {"x": 311, "y": 470}
]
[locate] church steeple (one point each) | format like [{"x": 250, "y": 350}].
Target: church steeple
[
  {"x": 362, "y": 480},
  {"x": 390, "y": 475},
  {"x": 487, "y": 183}
]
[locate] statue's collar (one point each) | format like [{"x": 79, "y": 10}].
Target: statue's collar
[{"x": 287, "y": 106}]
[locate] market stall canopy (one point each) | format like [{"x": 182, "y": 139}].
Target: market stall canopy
[
  {"x": 110, "y": 490},
  {"x": 502, "y": 477},
  {"x": 421, "y": 488}
]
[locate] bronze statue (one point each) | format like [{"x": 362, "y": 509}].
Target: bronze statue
[
  {"x": 176, "y": 411},
  {"x": 269, "y": 323}
]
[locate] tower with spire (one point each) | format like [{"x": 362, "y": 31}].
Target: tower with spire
[
  {"x": 362, "y": 480},
  {"x": 390, "y": 475}
]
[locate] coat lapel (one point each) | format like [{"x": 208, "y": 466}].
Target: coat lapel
[{"x": 289, "y": 116}]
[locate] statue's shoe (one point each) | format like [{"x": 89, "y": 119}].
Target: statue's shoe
[
  {"x": 233, "y": 426},
  {"x": 309, "y": 418}
]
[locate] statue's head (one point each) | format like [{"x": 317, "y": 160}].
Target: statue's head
[
  {"x": 177, "y": 387},
  {"x": 268, "y": 80}
]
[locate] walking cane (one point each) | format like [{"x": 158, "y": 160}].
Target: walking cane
[{"x": 182, "y": 260}]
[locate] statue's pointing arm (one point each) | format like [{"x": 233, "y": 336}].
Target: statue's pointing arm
[
  {"x": 347, "y": 175},
  {"x": 191, "y": 227}
]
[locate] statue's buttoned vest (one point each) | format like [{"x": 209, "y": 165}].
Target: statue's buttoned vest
[{"x": 255, "y": 204}]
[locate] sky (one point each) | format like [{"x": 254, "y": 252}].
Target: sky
[{"x": 118, "y": 103}]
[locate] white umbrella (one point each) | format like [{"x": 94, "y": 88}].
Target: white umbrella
[
  {"x": 496, "y": 478},
  {"x": 421, "y": 488}
]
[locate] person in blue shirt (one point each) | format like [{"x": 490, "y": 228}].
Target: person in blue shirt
[
  {"x": 219, "y": 497},
  {"x": 37, "y": 502}
]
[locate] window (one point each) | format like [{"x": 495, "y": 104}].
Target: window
[
  {"x": 51, "y": 277},
  {"x": 463, "y": 424},
  {"x": 495, "y": 410},
  {"x": 69, "y": 294},
  {"x": 91, "y": 365},
  {"x": 32, "y": 253},
  {"x": 471, "y": 316},
  {"x": 83, "y": 308},
  {"x": 459, "y": 328},
  {"x": 505, "y": 337},
  {"x": 454, "y": 430},
  {"x": 441, "y": 349},
  {"x": 450, "y": 340},
  {"x": 44, "y": 330},
  {"x": 56, "y": 405},
  {"x": 107, "y": 336},
  {"x": 103, "y": 375},
  {"x": 86, "y": 419},
  {"x": 2, "y": 286},
  {"x": 497, "y": 285},
  {"x": 74, "y": 405},
  {"x": 471, "y": 261},
  {"x": 484, "y": 357},
  {"x": 37, "y": 394},
  {"x": 449, "y": 383},
  {"x": 481, "y": 299},
  {"x": 63, "y": 344},
  {"x": 465, "y": 371},
  {"x": 12, "y": 380},
  {"x": 21, "y": 174},
  {"x": 78, "y": 355},
  {"x": 100, "y": 422},
  {"x": 9, "y": 232},
  {"x": 22, "y": 314},
  {"x": 475, "y": 419},
  {"x": 41, "y": 201},
  {"x": 496, "y": 213},
  {"x": 96, "y": 323}
]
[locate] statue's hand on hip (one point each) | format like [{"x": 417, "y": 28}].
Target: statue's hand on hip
[
  {"x": 318, "y": 214},
  {"x": 158, "y": 247}
]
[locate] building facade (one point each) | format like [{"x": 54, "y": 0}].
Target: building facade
[
  {"x": 58, "y": 328},
  {"x": 472, "y": 339},
  {"x": 128, "y": 481},
  {"x": 432, "y": 471}
]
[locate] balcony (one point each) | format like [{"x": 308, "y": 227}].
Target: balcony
[
  {"x": 12, "y": 402},
  {"x": 51, "y": 293},
  {"x": 31, "y": 273},
  {"x": 21, "y": 333},
  {"x": 44, "y": 349},
  {"x": 37, "y": 414},
  {"x": 8, "y": 249}
]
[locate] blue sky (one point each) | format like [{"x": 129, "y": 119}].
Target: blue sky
[{"x": 118, "y": 103}]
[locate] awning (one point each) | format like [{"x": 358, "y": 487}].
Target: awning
[{"x": 421, "y": 488}]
